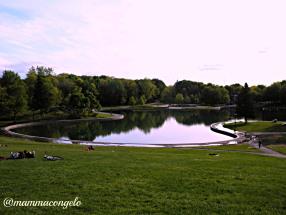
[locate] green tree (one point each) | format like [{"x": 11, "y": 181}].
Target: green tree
[
  {"x": 78, "y": 103},
  {"x": 213, "y": 95},
  {"x": 167, "y": 95},
  {"x": 30, "y": 82},
  {"x": 272, "y": 93},
  {"x": 160, "y": 86},
  {"x": 245, "y": 106},
  {"x": 142, "y": 100},
  {"x": 3, "y": 100},
  {"x": 15, "y": 91},
  {"x": 132, "y": 101},
  {"x": 283, "y": 92},
  {"x": 147, "y": 89},
  {"x": 179, "y": 98},
  {"x": 46, "y": 95},
  {"x": 111, "y": 92}
]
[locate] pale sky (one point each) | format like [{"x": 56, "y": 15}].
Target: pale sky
[{"x": 219, "y": 41}]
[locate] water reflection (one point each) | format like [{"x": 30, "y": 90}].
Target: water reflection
[{"x": 167, "y": 126}]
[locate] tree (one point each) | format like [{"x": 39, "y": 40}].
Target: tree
[
  {"x": 90, "y": 92},
  {"x": 189, "y": 88},
  {"x": 142, "y": 100},
  {"x": 213, "y": 95},
  {"x": 147, "y": 89},
  {"x": 245, "y": 106},
  {"x": 111, "y": 92},
  {"x": 167, "y": 95},
  {"x": 179, "y": 98},
  {"x": 46, "y": 95},
  {"x": 283, "y": 93},
  {"x": 132, "y": 101},
  {"x": 13, "y": 93},
  {"x": 132, "y": 89},
  {"x": 78, "y": 103},
  {"x": 257, "y": 92},
  {"x": 30, "y": 82},
  {"x": 3, "y": 100},
  {"x": 272, "y": 93},
  {"x": 233, "y": 91},
  {"x": 160, "y": 86}
]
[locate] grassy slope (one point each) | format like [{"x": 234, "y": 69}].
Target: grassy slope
[
  {"x": 50, "y": 116},
  {"x": 237, "y": 147},
  {"x": 118, "y": 180},
  {"x": 278, "y": 148},
  {"x": 258, "y": 127}
]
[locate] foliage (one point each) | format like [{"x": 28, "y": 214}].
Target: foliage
[
  {"x": 259, "y": 126},
  {"x": 43, "y": 91},
  {"x": 132, "y": 101},
  {"x": 142, "y": 100},
  {"x": 245, "y": 106},
  {"x": 46, "y": 94},
  {"x": 167, "y": 95},
  {"x": 13, "y": 96},
  {"x": 213, "y": 95},
  {"x": 179, "y": 98}
]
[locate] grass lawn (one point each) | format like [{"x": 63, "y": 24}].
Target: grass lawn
[
  {"x": 273, "y": 139},
  {"x": 102, "y": 115},
  {"x": 236, "y": 147},
  {"x": 259, "y": 126},
  {"x": 121, "y": 180},
  {"x": 58, "y": 115},
  {"x": 278, "y": 148}
]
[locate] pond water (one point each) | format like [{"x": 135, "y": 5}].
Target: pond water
[{"x": 150, "y": 127}]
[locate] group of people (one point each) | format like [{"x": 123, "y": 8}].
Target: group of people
[
  {"x": 22, "y": 155},
  {"x": 32, "y": 154},
  {"x": 89, "y": 148}
]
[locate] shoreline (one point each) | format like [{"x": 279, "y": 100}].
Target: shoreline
[{"x": 214, "y": 127}]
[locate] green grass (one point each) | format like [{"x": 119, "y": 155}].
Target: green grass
[
  {"x": 260, "y": 126},
  {"x": 119, "y": 180},
  {"x": 276, "y": 139},
  {"x": 103, "y": 115},
  {"x": 236, "y": 147},
  {"x": 145, "y": 107},
  {"x": 57, "y": 115},
  {"x": 278, "y": 148}
]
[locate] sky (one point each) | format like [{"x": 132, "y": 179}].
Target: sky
[{"x": 218, "y": 41}]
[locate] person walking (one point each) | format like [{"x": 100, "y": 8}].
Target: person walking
[{"x": 259, "y": 143}]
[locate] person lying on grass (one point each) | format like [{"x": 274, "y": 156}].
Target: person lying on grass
[
  {"x": 51, "y": 157},
  {"x": 22, "y": 155}
]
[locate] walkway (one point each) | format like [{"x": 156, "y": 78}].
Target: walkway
[{"x": 266, "y": 151}]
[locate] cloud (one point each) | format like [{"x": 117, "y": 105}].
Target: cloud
[{"x": 168, "y": 39}]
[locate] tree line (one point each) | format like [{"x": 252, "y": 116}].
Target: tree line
[{"x": 42, "y": 91}]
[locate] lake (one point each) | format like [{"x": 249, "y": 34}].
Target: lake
[{"x": 150, "y": 127}]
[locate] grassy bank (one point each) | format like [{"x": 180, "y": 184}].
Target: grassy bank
[
  {"x": 237, "y": 147},
  {"x": 278, "y": 148},
  {"x": 55, "y": 115},
  {"x": 260, "y": 126},
  {"x": 118, "y": 180}
]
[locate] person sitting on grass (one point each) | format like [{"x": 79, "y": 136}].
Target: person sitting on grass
[{"x": 90, "y": 148}]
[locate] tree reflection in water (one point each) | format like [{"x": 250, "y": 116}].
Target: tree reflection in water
[{"x": 142, "y": 120}]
